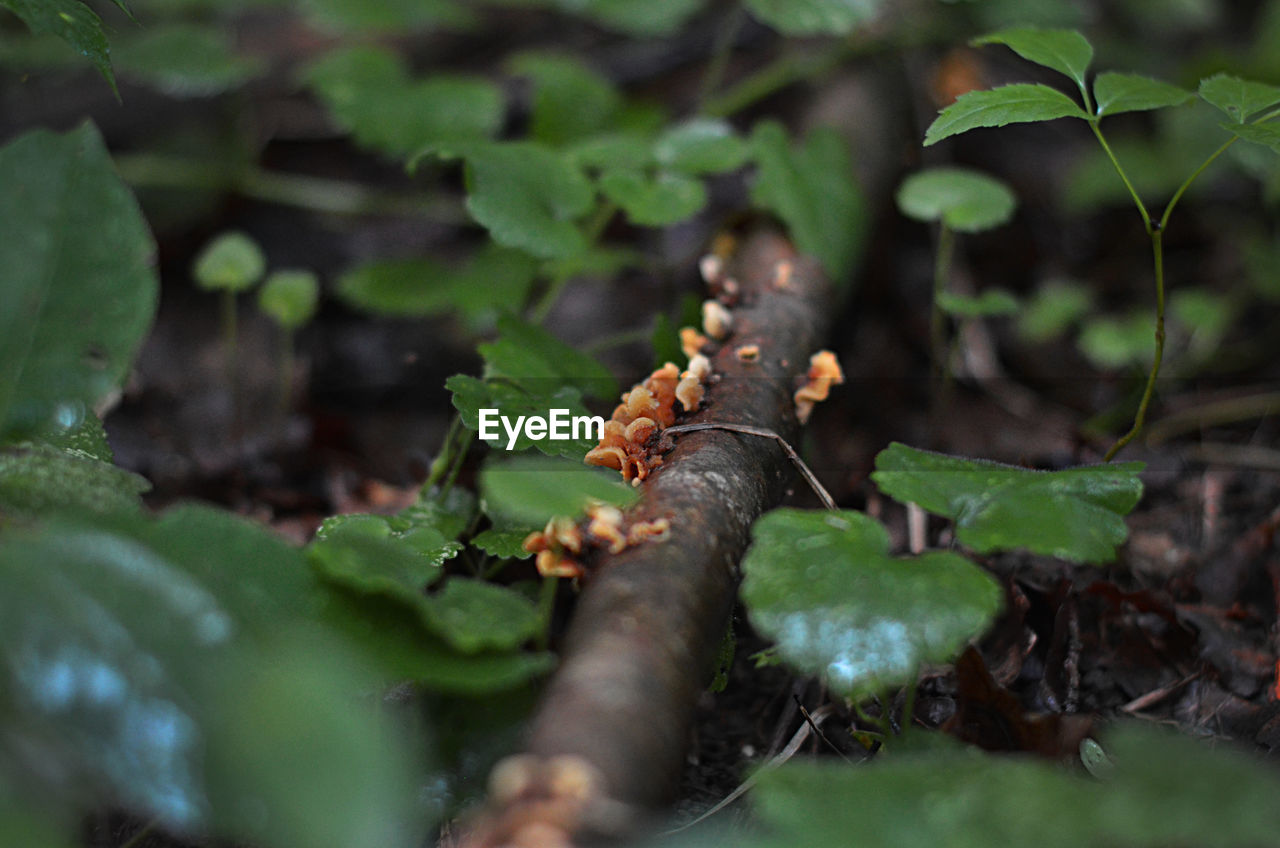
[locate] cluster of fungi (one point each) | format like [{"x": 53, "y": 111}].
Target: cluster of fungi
[{"x": 631, "y": 443}]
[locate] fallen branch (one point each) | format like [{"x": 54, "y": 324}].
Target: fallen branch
[{"x": 608, "y": 743}]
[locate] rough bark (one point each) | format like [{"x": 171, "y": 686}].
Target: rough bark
[{"x": 608, "y": 743}]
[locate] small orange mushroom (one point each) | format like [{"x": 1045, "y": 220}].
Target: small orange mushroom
[
  {"x": 824, "y": 372},
  {"x": 717, "y": 322},
  {"x": 748, "y": 353},
  {"x": 691, "y": 341}
]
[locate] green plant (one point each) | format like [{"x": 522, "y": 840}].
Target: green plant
[
  {"x": 1247, "y": 105},
  {"x": 289, "y": 298}
]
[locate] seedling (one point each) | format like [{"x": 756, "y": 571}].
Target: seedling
[
  {"x": 289, "y": 298},
  {"x": 231, "y": 263},
  {"x": 1249, "y": 107},
  {"x": 960, "y": 200}
]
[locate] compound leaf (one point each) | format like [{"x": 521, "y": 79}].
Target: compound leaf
[
  {"x": 1077, "y": 514},
  {"x": 1114, "y": 93},
  {"x": 1020, "y": 102},
  {"x": 823, "y": 586},
  {"x": 1238, "y": 98}
]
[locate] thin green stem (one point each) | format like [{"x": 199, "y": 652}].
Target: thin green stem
[
  {"x": 625, "y": 337},
  {"x": 721, "y": 52},
  {"x": 791, "y": 67},
  {"x": 441, "y": 464},
  {"x": 591, "y": 230},
  {"x": 1157, "y": 250},
  {"x": 1186, "y": 184},
  {"x": 937, "y": 318},
  {"x": 1142, "y": 209}
]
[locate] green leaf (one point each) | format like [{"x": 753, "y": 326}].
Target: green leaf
[
  {"x": 504, "y": 544},
  {"x": 471, "y": 395},
  {"x": 450, "y": 513},
  {"x": 185, "y": 60},
  {"x": 990, "y": 303},
  {"x": 1110, "y": 341},
  {"x": 289, "y": 297},
  {"x": 962, "y": 199},
  {"x": 364, "y": 553},
  {"x": 527, "y": 195},
  {"x": 639, "y": 18},
  {"x": 541, "y": 364},
  {"x": 369, "y": 93},
  {"x": 1053, "y": 308},
  {"x": 570, "y": 100},
  {"x": 391, "y": 16},
  {"x": 530, "y": 490},
  {"x": 823, "y": 586},
  {"x": 80, "y": 436},
  {"x": 494, "y": 279},
  {"x": 1008, "y": 104},
  {"x": 1064, "y": 50},
  {"x": 654, "y": 200},
  {"x": 73, "y": 22},
  {"x": 474, "y": 616},
  {"x": 231, "y": 262},
  {"x": 144, "y": 662},
  {"x": 1238, "y": 98},
  {"x": 79, "y": 291},
  {"x": 1164, "y": 790},
  {"x": 37, "y": 479},
  {"x": 813, "y": 189},
  {"x": 701, "y": 146},
  {"x": 1076, "y": 514},
  {"x": 613, "y": 150},
  {"x": 1267, "y": 135},
  {"x": 1115, "y": 93},
  {"x": 814, "y": 17}
]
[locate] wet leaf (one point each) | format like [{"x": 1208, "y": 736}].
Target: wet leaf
[
  {"x": 1163, "y": 790},
  {"x": 823, "y": 586},
  {"x": 36, "y": 479},
  {"x": 1115, "y": 93},
  {"x": 1007, "y": 104},
  {"x": 654, "y": 200},
  {"x": 813, "y": 189},
  {"x": 1238, "y": 98},
  {"x": 73, "y": 22},
  {"x": 1064, "y": 50},
  {"x": 451, "y": 513},
  {"x": 1077, "y": 514},
  {"x": 814, "y": 17},
  {"x": 79, "y": 291},
  {"x": 570, "y": 100},
  {"x": 185, "y": 60},
  {"x": 527, "y": 195},
  {"x": 963, "y": 199},
  {"x": 504, "y": 544},
  {"x": 364, "y": 553},
  {"x": 473, "y": 616},
  {"x": 530, "y": 490}
]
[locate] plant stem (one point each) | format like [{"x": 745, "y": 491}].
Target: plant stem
[
  {"x": 791, "y": 67},
  {"x": 721, "y": 52},
  {"x": 229, "y": 350},
  {"x": 1157, "y": 251},
  {"x": 440, "y": 465},
  {"x": 1147, "y": 223},
  {"x": 937, "y": 318},
  {"x": 1186, "y": 184},
  {"x": 592, "y": 230}
]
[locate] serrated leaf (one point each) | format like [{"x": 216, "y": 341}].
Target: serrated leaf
[
  {"x": 132, "y": 650},
  {"x": 364, "y": 553},
  {"x": 1114, "y": 93},
  {"x": 1238, "y": 98},
  {"x": 991, "y": 302},
  {"x": 813, "y": 189},
  {"x": 529, "y": 490},
  {"x": 473, "y": 616},
  {"x": 504, "y": 544},
  {"x": 369, "y": 93},
  {"x": 963, "y": 199},
  {"x": 527, "y": 195},
  {"x": 73, "y": 22},
  {"x": 996, "y": 107},
  {"x": 1064, "y": 50},
  {"x": 79, "y": 290},
  {"x": 654, "y": 200},
  {"x": 37, "y": 479},
  {"x": 1076, "y": 514},
  {"x": 1163, "y": 790},
  {"x": 1267, "y": 135},
  {"x": 701, "y": 146},
  {"x": 185, "y": 60},
  {"x": 814, "y": 17},
  {"x": 823, "y": 586},
  {"x": 471, "y": 395},
  {"x": 494, "y": 279},
  {"x": 570, "y": 100},
  {"x": 289, "y": 297},
  {"x": 541, "y": 364}
]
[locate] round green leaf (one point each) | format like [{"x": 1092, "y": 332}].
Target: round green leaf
[
  {"x": 232, "y": 261},
  {"x": 290, "y": 297},
  {"x": 79, "y": 291},
  {"x": 962, "y": 199},
  {"x": 823, "y": 586},
  {"x": 701, "y": 146},
  {"x": 473, "y": 616},
  {"x": 657, "y": 200}
]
